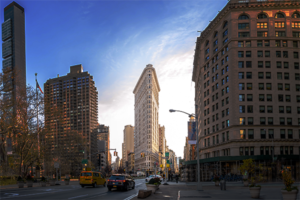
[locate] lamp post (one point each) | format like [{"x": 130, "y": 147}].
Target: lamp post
[{"x": 199, "y": 186}]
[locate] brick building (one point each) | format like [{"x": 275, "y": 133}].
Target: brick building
[{"x": 247, "y": 88}]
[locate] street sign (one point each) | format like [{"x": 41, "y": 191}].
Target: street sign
[
  {"x": 56, "y": 165},
  {"x": 84, "y": 161},
  {"x": 167, "y": 154},
  {"x": 168, "y": 161}
]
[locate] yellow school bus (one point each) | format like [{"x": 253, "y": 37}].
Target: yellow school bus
[{"x": 90, "y": 178}]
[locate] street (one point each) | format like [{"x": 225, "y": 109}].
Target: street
[{"x": 70, "y": 192}]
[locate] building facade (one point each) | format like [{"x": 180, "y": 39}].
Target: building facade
[
  {"x": 146, "y": 106},
  {"x": 247, "y": 88},
  {"x": 162, "y": 146},
  {"x": 128, "y": 143},
  {"x": 13, "y": 53},
  {"x": 130, "y": 167},
  {"x": 71, "y": 104},
  {"x": 103, "y": 134}
]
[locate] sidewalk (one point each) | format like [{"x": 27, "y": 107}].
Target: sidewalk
[
  {"x": 234, "y": 192},
  {"x": 37, "y": 185}
]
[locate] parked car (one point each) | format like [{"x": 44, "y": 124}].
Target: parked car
[
  {"x": 120, "y": 181},
  {"x": 153, "y": 176}
]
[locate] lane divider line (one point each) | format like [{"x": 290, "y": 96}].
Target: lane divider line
[{"x": 78, "y": 196}]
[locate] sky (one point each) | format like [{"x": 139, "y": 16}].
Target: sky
[{"x": 114, "y": 40}]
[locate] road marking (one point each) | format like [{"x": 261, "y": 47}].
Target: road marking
[
  {"x": 78, "y": 196},
  {"x": 131, "y": 197},
  {"x": 138, "y": 184},
  {"x": 35, "y": 194}
]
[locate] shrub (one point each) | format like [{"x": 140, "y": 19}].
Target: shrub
[
  {"x": 29, "y": 178},
  {"x": 20, "y": 179},
  {"x": 155, "y": 181},
  {"x": 288, "y": 180}
]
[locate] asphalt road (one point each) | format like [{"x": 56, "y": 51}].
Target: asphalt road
[{"x": 69, "y": 192}]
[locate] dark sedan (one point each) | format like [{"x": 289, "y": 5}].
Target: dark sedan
[{"x": 120, "y": 181}]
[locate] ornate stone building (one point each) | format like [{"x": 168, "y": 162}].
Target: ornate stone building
[
  {"x": 146, "y": 133},
  {"x": 247, "y": 87}
]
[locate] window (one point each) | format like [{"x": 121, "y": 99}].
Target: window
[
  {"x": 262, "y": 25},
  {"x": 225, "y": 24},
  {"x": 259, "y": 53},
  {"x": 249, "y": 97},
  {"x": 287, "y": 87},
  {"x": 296, "y": 15},
  {"x": 227, "y": 100},
  {"x": 216, "y": 34},
  {"x": 279, "y": 15},
  {"x": 270, "y": 120},
  {"x": 261, "y": 86},
  {"x": 242, "y": 109},
  {"x": 227, "y": 89},
  {"x": 279, "y": 75},
  {"x": 250, "y": 134},
  {"x": 241, "y": 151},
  {"x": 288, "y": 109},
  {"x": 246, "y": 151},
  {"x": 268, "y": 75},
  {"x": 286, "y": 76},
  {"x": 280, "y": 86},
  {"x": 240, "y": 54},
  {"x": 250, "y": 120},
  {"x": 215, "y": 43},
  {"x": 278, "y": 54},
  {"x": 290, "y": 134},
  {"x": 249, "y": 75},
  {"x": 281, "y": 121},
  {"x": 282, "y": 133},
  {"x": 249, "y": 86},
  {"x": 267, "y": 43},
  {"x": 240, "y": 43},
  {"x": 241, "y": 86},
  {"x": 261, "y": 97},
  {"x": 243, "y": 26},
  {"x": 279, "y": 24},
  {"x": 297, "y": 77},
  {"x": 284, "y": 43},
  {"x": 269, "y": 97},
  {"x": 241, "y": 64},
  {"x": 262, "y": 34},
  {"x": 278, "y": 64},
  {"x": 298, "y": 99},
  {"x": 267, "y": 53},
  {"x": 225, "y": 41},
  {"x": 262, "y": 109},
  {"x": 281, "y": 109},
  {"x": 262, "y": 16},
  {"x": 270, "y": 109},
  {"x": 250, "y": 109},
  {"x": 241, "y": 17},
  {"x": 271, "y": 133},
  {"x": 248, "y": 54},
  {"x": 296, "y": 55},
  {"x": 280, "y": 33},
  {"x": 242, "y": 133},
  {"x": 248, "y": 64},
  {"x": 277, "y": 43},
  {"x": 295, "y": 43},
  {"x": 263, "y": 133},
  {"x": 242, "y": 121},
  {"x": 241, "y": 75},
  {"x": 260, "y": 75},
  {"x": 259, "y": 43},
  {"x": 295, "y": 24},
  {"x": 285, "y": 54},
  {"x": 262, "y": 121},
  {"x": 241, "y": 97},
  {"x": 296, "y": 34},
  {"x": 225, "y": 33},
  {"x": 296, "y": 65},
  {"x": 244, "y": 34}
]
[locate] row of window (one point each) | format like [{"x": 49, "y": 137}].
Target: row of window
[
  {"x": 261, "y": 97},
  {"x": 267, "y": 134},
  {"x": 268, "y": 87},
  {"x": 264, "y": 25},
  {"x": 295, "y": 34},
  {"x": 266, "y": 43},
  {"x": 263, "y": 121},
  {"x": 286, "y": 75},
  {"x": 215, "y": 139},
  {"x": 267, "y": 150},
  {"x": 267, "y": 54},
  {"x": 278, "y": 15}
]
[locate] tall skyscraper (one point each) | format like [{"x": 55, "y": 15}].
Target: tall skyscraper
[
  {"x": 146, "y": 133},
  {"x": 128, "y": 143},
  {"x": 71, "y": 103},
  {"x": 247, "y": 89},
  {"x": 162, "y": 145},
  {"x": 13, "y": 52}
]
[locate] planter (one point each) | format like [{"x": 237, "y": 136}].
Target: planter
[
  {"x": 52, "y": 182},
  {"x": 67, "y": 182},
  {"x": 29, "y": 183},
  {"x": 43, "y": 184},
  {"x": 254, "y": 192},
  {"x": 152, "y": 187},
  {"x": 246, "y": 183},
  {"x": 20, "y": 184},
  {"x": 289, "y": 195},
  {"x": 217, "y": 183}
]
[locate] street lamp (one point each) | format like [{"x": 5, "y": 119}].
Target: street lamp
[{"x": 199, "y": 186}]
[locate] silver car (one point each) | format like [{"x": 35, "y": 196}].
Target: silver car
[{"x": 153, "y": 176}]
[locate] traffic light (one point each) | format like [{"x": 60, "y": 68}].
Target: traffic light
[{"x": 99, "y": 161}]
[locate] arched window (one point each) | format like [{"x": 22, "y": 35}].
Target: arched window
[
  {"x": 279, "y": 15},
  {"x": 262, "y": 16},
  {"x": 225, "y": 24},
  {"x": 207, "y": 43},
  {"x": 243, "y": 17},
  {"x": 296, "y": 15}
]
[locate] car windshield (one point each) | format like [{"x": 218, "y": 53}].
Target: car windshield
[
  {"x": 86, "y": 174},
  {"x": 113, "y": 177}
]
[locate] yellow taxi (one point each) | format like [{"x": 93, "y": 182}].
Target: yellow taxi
[{"x": 90, "y": 178}]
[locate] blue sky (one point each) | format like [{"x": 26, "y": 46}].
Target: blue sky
[{"x": 114, "y": 41}]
